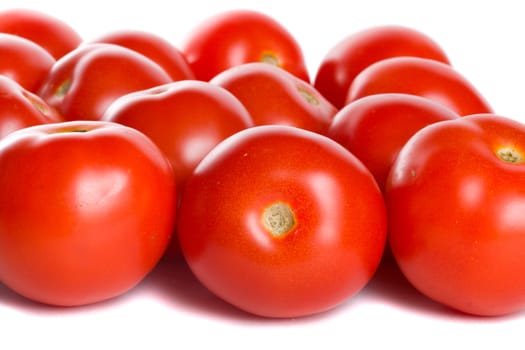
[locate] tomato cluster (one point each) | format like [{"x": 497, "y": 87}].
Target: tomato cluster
[{"x": 281, "y": 193}]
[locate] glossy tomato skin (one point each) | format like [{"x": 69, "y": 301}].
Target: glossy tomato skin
[
  {"x": 423, "y": 77},
  {"x": 351, "y": 55},
  {"x": 155, "y": 48},
  {"x": 242, "y": 36},
  {"x": 455, "y": 198},
  {"x": 54, "y": 35},
  {"x": 274, "y": 96},
  {"x": 24, "y": 61},
  {"x": 87, "y": 210},
  {"x": 376, "y": 127},
  {"x": 186, "y": 119},
  {"x": 82, "y": 84},
  {"x": 282, "y": 222},
  {"x": 22, "y": 108}
]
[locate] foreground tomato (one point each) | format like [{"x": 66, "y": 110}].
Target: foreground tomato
[
  {"x": 282, "y": 222},
  {"x": 21, "y": 108},
  {"x": 456, "y": 197},
  {"x": 87, "y": 210},
  {"x": 24, "y": 61},
  {"x": 359, "y": 50},
  {"x": 423, "y": 77},
  {"x": 155, "y": 48},
  {"x": 54, "y": 35},
  {"x": 274, "y": 96},
  {"x": 186, "y": 119},
  {"x": 242, "y": 36},
  {"x": 82, "y": 84},
  {"x": 374, "y": 128}
]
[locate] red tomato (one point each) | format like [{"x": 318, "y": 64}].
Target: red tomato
[
  {"x": 359, "y": 50},
  {"x": 54, "y": 35},
  {"x": 87, "y": 210},
  {"x": 24, "y": 61},
  {"x": 374, "y": 128},
  {"x": 282, "y": 222},
  {"x": 274, "y": 96},
  {"x": 242, "y": 36},
  {"x": 456, "y": 197},
  {"x": 21, "y": 108},
  {"x": 82, "y": 84},
  {"x": 185, "y": 119},
  {"x": 420, "y": 76},
  {"x": 155, "y": 48}
]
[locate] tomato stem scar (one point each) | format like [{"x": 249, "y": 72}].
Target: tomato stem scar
[
  {"x": 278, "y": 219},
  {"x": 158, "y": 90},
  {"x": 510, "y": 155},
  {"x": 37, "y": 104},
  {"x": 72, "y": 129},
  {"x": 308, "y": 96},
  {"x": 268, "y": 57},
  {"x": 63, "y": 88}
]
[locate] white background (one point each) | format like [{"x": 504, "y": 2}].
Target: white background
[{"x": 169, "y": 309}]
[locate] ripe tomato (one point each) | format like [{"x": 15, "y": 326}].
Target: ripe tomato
[
  {"x": 274, "y": 96},
  {"x": 54, "y": 35},
  {"x": 420, "y": 76},
  {"x": 374, "y": 128},
  {"x": 455, "y": 198},
  {"x": 21, "y": 108},
  {"x": 24, "y": 61},
  {"x": 82, "y": 84},
  {"x": 155, "y": 48},
  {"x": 357, "y": 51},
  {"x": 242, "y": 36},
  {"x": 87, "y": 210},
  {"x": 186, "y": 119},
  {"x": 282, "y": 222}
]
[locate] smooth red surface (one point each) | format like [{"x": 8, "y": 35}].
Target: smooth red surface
[
  {"x": 153, "y": 46},
  {"x": 54, "y": 35},
  {"x": 351, "y": 55},
  {"x": 423, "y": 77},
  {"x": 186, "y": 119},
  {"x": 22, "y": 108},
  {"x": 329, "y": 254},
  {"x": 87, "y": 211},
  {"x": 235, "y": 37},
  {"x": 24, "y": 61},
  {"x": 376, "y": 127},
  {"x": 274, "y": 96},
  {"x": 456, "y": 221},
  {"x": 82, "y": 84}
]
